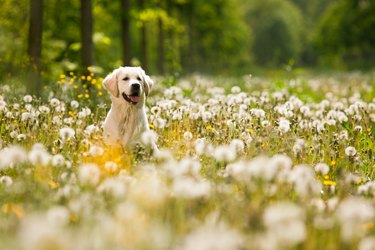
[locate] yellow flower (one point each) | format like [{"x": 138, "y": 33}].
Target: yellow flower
[
  {"x": 333, "y": 162},
  {"x": 100, "y": 93},
  {"x": 329, "y": 183},
  {"x": 80, "y": 96},
  {"x": 89, "y": 78},
  {"x": 83, "y": 77},
  {"x": 52, "y": 184},
  {"x": 87, "y": 96},
  {"x": 93, "y": 81},
  {"x": 89, "y": 68},
  {"x": 75, "y": 86},
  {"x": 151, "y": 125},
  {"x": 209, "y": 128},
  {"x": 62, "y": 76},
  {"x": 251, "y": 130},
  {"x": 99, "y": 86}
]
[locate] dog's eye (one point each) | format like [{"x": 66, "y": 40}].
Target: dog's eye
[
  {"x": 139, "y": 79},
  {"x": 125, "y": 78}
]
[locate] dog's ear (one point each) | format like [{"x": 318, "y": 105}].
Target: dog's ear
[
  {"x": 148, "y": 82},
  {"x": 110, "y": 83}
]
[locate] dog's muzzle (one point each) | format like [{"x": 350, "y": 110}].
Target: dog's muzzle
[{"x": 133, "y": 99}]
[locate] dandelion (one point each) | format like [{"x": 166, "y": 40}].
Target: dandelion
[
  {"x": 11, "y": 156},
  {"x": 322, "y": 168},
  {"x": 89, "y": 174},
  {"x": 225, "y": 153},
  {"x": 216, "y": 236},
  {"x": 6, "y": 181},
  {"x": 44, "y": 110},
  {"x": 26, "y": 116},
  {"x": 285, "y": 223},
  {"x": 350, "y": 151},
  {"x": 111, "y": 166},
  {"x": 74, "y": 104},
  {"x": 352, "y": 214},
  {"x": 58, "y": 160},
  {"x": 66, "y": 133},
  {"x": 238, "y": 145},
  {"x": 27, "y": 98},
  {"x": 112, "y": 186},
  {"x": 148, "y": 138},
  {"x": 235, "y": 89},
  {"x": 284, "y": 125},
  {"x": 38, "y": 155},
  {"x": 96, "y": 151},
  {"x": 58, "y": 215},
  {"x": 54, "y": 102},
  {"x": 188, "y": 136}
]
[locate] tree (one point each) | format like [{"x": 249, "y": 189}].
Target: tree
[
  {"x": 126, "y": 35},
  {"x": 87, "y": 45},
  {"x": 346, "y": 33},
  {"x": 143, "y": 37},
  {"x": 278, "y": 31},
  {"x": 35, "y": 44}
]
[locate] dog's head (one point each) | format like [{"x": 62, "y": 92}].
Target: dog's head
[{"x": 131, "y": 83}]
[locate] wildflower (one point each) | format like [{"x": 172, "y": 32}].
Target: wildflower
[
  {"x": 322, "y": 168},
  {"x": 54, "y": 102},
  {"x": 58, "y": 160},
  {"x": 38, "y": 155},
  {"x": 10, "y": 156},
  {"x": 213, "y": 235},
  {"x": 352, "y": 213},
  {"x": 89, "y": 174},
  {"x": 66, "y": 133},
  {"x": 6, "y": 181},
  {"x": 160, "y": 123},
  {"x": 58, "y": 215},
  {"x": 235, "y": 90},
  {"x": 284, "y": 125},
  {"x": 285, "y": 223},
  {"x": 148, "y": 138},
  {"x": 188, "y": 136},
  {"x": 304, "y": 181},
  {"x": 26, "y": 116},
  {"x": 238, "y": 145},
  {"x": 299, "y": 146},
  {"x": 350, "y": 151},
  {"x": 111, "y": 166},
  {"x": 27, "y": 98},
  {"x": 21, "y": 137},
  {"x": 74, "y": 104},
  {"x": 96, "y": 151},
  {"x": 112, "y": 186},
  {"x": 225, "y": 153},
  {"x": 44, "y": 110}
]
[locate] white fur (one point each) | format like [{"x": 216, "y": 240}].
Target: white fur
[{"x": 125, "y": 122}]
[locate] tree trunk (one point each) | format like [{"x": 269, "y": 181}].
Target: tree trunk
[
  {"x": 161, "y": 51},
  {"x": 35, "y": 45},
  {"x": 143, "y": 34},
  {"x": 126, "y": 36},
  {"x": 87, "y": 49}
]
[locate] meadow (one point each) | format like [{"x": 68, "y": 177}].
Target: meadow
[{"x": 244, "y": 163}]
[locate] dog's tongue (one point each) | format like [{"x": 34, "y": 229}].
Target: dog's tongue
[{"x": 134, "y": 98}]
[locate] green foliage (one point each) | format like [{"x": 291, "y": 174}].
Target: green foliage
[
  {"x": 346, "y": 32},
  {"x": 277, "y": 26}
]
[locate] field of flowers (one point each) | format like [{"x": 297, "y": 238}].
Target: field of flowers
[{"x": 244, "y": 163}]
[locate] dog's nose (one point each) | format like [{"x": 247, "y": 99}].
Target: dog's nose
[{"x": 136, "y": 86}]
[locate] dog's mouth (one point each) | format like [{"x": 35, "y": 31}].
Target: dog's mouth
[{"x": 133, "y": 99}]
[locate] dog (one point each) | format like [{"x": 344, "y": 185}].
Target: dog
[{"x": 127, "y": 120}]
